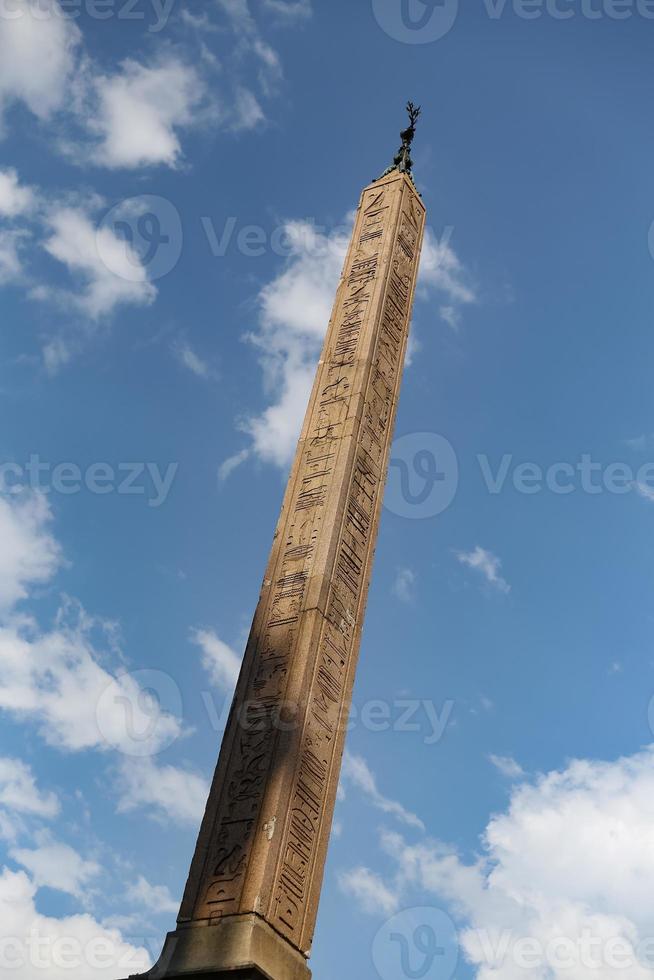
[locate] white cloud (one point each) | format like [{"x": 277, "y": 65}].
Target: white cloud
[
  {"x": 15, "y": 198},
  {"x": 645, "y": 491},
  {"x": 451, "y": 315},
  {"x": 299, "y": 300},
  {"x": 232, "y": 463},
  {"x": 38, "y": 50},
  {"x": 569, "y": 862},
  {"x": 295, "y": 310},
  {"x": 486, "y": 564},
  {"x": 639, "y": 444},
  {"x": 218, "y": 659},
  {"x": 56, "y": 680},
  {"x": 56, "y": 354},
  {"x": 29, "y": 554},
  {"x": 190, "y": 360},
  {"x": 356, "y": 771},
  {"x": 271, "y": 62},
  {"x": 165, "y": 792},
  {"x": 141, "y": 110},
  {"x": 369, "y": 890},
  {"x": 155, "y": 898},
  {"x": 251, "y": 48},
  {"x": 442, "y": 269},
  {"x": 238, "y": 12},
  {"x": 11, "y": 265},
  {"x": 290, "y": 10},
  {"x": 507, "y": 766},
  {"x": 109, "y": 271},
  {"x": 405, "y": 579},
  {"x": 248, "y": 113},
  {"x": 442, "y": 272},
  {"x": 19, "y": 792},
  {"x": 11, "y": 826},
  {"x": 56, "y": 865},
  {"x": 72, "y": 948},
  {"x": 134, "y": 114}
]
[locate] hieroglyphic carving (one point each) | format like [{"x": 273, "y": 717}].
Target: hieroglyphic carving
[
  {"x": 328, "y": 522},
  {"x": 347, "y": 596}
]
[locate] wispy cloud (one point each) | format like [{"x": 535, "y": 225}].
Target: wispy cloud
[
  {"x": 645, "y": 491},
  {"x": 21, "y": 918},
  {"x": 294, "y": 312},
  {"x": 290, "y": 10},
  {"x": 191, "y": 360},
  {"x": 640, "y": 444},
  {"x": 140, "y": 111},
  {"x": 403, "y": 586},
  {"x": 543, "y": 874},
  {"x": 30, "y": 554},
  {"x": 369, "y": 890},
  {"x": 487, "y": 564},
  {"x": 19, "y": 792},
  {"x": 507, "y": 766},
  {"x": 39, "y": 48},
  {"x": 108, "y": 271},
  {"x": 134, "y": 114},
  {"x": 357, "y": 772},
  {"x": 155, "y": 898},
  {"x": 15, "y": 198},
  {"x": 232, "y": 463},
  {"x": 56, "y": 865},
  {"x": 166, "y": 793},
  {"x": 443, "y": 274},
  {"x": 218, "y": 659}
]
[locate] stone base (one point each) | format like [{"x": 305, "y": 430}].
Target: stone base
[{"x": 239, "y": 947}]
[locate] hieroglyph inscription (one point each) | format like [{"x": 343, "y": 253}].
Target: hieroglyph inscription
[
  {"x": 328, "y": 522},
  {"x": 338, "y": 641}
]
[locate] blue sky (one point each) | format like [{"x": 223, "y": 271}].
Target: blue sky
[{"x": 177, "y": 183}]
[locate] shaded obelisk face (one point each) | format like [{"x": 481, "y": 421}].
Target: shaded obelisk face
[{"x": 252, "y": 894}]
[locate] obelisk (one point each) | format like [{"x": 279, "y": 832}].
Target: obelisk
[{"x": 250, "y": 904}]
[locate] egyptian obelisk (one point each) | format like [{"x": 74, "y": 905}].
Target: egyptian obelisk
[{"x": 251, "y": 900}]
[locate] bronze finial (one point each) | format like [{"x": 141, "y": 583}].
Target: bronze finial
[{"x": 402, "y": 160}]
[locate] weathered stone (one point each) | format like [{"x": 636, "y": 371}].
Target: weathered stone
[
  {"x": 242, "y": 947},
  {"x": 252, "y": 894}
]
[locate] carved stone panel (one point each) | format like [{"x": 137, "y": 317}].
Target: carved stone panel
[{"x": 264, "y": 836}]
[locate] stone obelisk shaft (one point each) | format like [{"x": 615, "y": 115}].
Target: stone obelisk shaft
[{"x": 263, "y": 841}]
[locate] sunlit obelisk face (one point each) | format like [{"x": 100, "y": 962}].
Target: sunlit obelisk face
[{"x": 252, "y": 895}]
